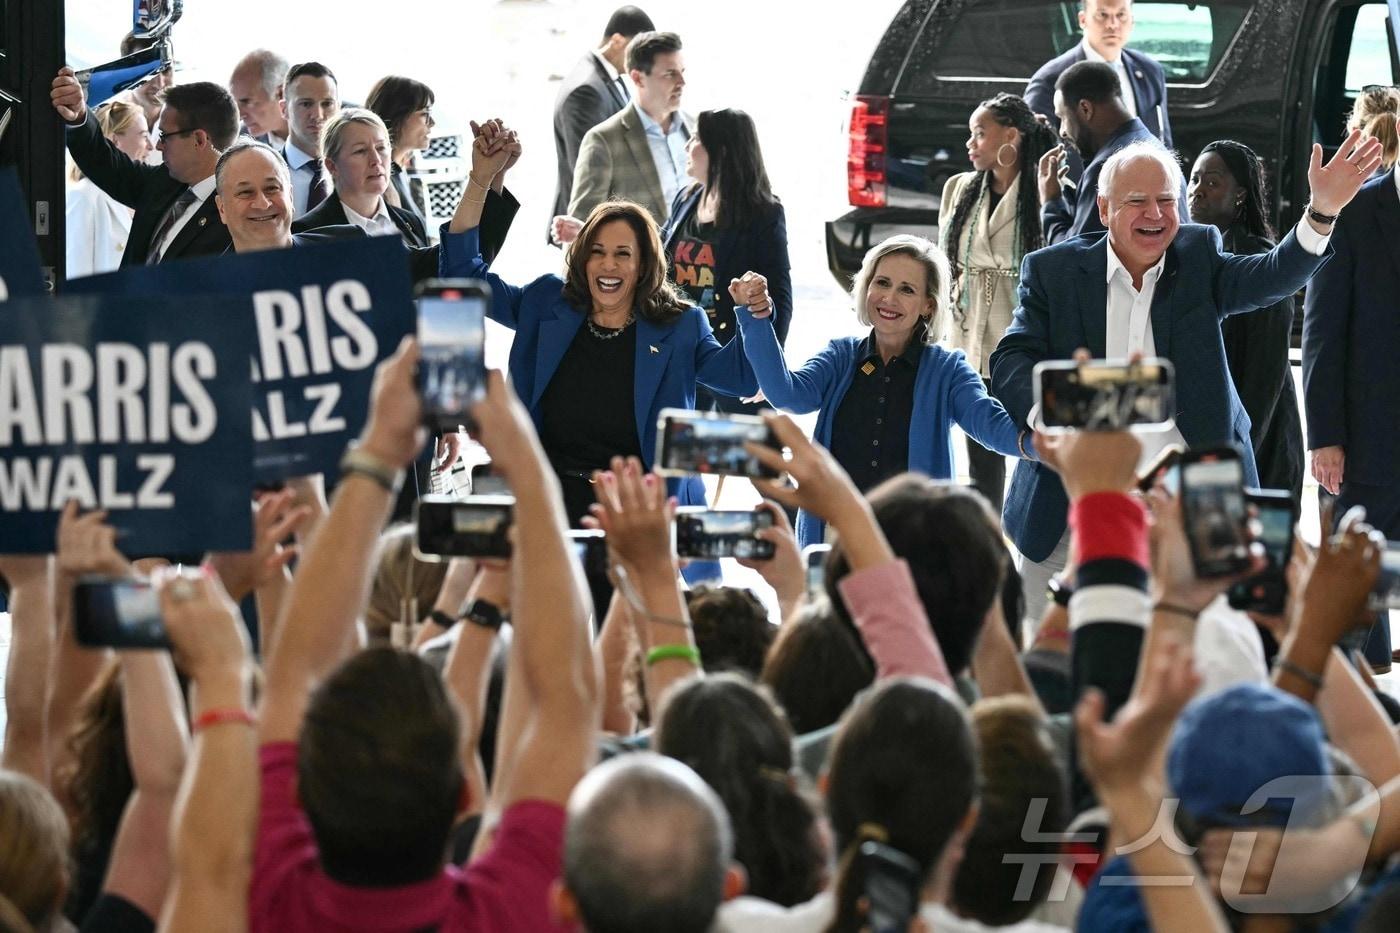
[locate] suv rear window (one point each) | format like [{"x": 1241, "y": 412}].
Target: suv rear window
[{"x": 1010, "y": 39}]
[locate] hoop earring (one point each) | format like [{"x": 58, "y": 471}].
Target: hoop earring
[{"x": 1014, "y": 153}]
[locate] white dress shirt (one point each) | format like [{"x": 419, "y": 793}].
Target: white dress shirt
[
  {"x": 303, "y": 173},
  {"x": 668, "y": 152},
  {"x": 1128, "y": 322},
  {"x": 1129, "y": 100},
  {"x": 202, "y": 192},
  {"x": 381, "y": 224},
  {"x": 618, "y": 78}
]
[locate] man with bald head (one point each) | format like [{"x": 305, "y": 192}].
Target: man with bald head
[
  {"x": 1155, "y": 286},
  {"x": 647, "y": 846},
  {"x": 257, "y": 85}
]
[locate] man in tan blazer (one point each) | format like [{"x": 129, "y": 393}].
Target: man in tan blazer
[{"x": 639, "y": 152}]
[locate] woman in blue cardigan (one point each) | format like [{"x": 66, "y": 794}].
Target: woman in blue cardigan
[
  {"x": 599, "y": 352},
  {"x": 886, "y": 401}
]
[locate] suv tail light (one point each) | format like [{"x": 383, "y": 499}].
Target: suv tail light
[{"x": 865, "y": 158}]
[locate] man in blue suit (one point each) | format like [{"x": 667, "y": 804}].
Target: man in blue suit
[
  {"x": 1107, "y": 25},
  {"x": 1094, "y": 123},
  {"x": 1351, "y": 385},
  {"x": 1156, "y": 287}
]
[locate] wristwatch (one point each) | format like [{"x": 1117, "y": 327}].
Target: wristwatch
[
  {"x": 1059, "y": 592},
  {"x": 484, "y": 614}
]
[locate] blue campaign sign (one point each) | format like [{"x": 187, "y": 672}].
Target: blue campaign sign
[
  {"x": 19, "y": 257},
  {"x": 137, "y": 407},
  {"x": 324, "y": 317}
]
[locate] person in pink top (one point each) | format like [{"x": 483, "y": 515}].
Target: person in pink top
[{"x": 363, "y": 760}]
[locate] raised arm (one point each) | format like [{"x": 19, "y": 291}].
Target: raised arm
[
  {"x": 725, "y": 369},
  {"x": 216, "y": 811},
  {"x": 798, "y": 392},
  {"x": 879, "y": 592},
  {"x": 109, "y": 168},
  {"x": 27, "y": 673},
  {"x": 980, "y": 415},
  {"x": 157, "y": 739},
  {"x": 549, "y": 616},
  {"x": 333, "y": 579},
  {"x": 468, "y": 675}
]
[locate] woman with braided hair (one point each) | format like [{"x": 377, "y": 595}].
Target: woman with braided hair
[
  {"x": 990, "y": 218},
  {"x": 1226, "y": 191}
]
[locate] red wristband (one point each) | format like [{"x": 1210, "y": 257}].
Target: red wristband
[
  {"x": 1109, "y": 525},
  {"x": 219, "y": 717}
]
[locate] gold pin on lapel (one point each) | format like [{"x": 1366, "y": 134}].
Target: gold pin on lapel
[
  {"x": 868, "y": 368},
  {"x": 653, "y": 348}
]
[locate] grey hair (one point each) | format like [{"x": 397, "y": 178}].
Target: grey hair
[
  {"x": 936, "y": 277},
  {"x": 273, "y": 68},
  {"x": 243, "y": 144},
  {"x": 647, "y": 846},
  {"x": 331, "y": 133},
  {"x": 1140, "y": 150}
]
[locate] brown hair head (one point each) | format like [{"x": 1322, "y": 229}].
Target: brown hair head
[{"x": 657, "y": 299}]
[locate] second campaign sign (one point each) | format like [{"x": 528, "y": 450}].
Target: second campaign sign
[{"x": 324, "y": 316}]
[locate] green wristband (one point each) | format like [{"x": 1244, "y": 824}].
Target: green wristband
[{"x": 673, "y": 652}]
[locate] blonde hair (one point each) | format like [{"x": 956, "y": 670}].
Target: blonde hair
[
  {"x": 936, "y": 279},
  {"x": 113, "y": 117},
  {"x": 331, "y": 141},
  {"x": 1374, "y": 115},
  {"x": 400, "y": 580},
  {"x": 34, "y": 857}
]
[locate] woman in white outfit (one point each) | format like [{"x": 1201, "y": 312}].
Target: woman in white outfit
[{"x": 97, "y": 225}]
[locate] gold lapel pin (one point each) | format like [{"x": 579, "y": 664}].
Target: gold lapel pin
[
  {"x": 868, "y": 368},
  {"x": 653, "y": 348}
]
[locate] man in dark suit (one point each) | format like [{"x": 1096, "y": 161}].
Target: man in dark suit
[
  {"x": 311, "y": 98},
  {"x": 1107, "y": 25},
  {"x": 1159, "y": 288},
  {"x": 258, "y": 84},
  {"x": 595, "y": 90},
  {"x": 175, "y": 213},
  {"x": 1095, "y": 124},
  {"x": 1351, "y": 384}
]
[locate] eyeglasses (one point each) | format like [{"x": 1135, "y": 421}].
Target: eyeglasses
[{"x": 162, "y": 135}]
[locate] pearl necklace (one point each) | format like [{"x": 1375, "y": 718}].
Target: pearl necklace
[{"x": 608, "y": 333}]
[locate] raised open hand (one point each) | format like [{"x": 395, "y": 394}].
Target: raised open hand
[
  {"x": 636, "y": 514},
  {"x": 1334, "y": 185}
]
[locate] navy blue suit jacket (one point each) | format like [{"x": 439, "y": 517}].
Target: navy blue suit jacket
[
  {"x": 1351, "y": 338},
  {"x": 759, "y": 247},
  {"x": 1144, "y": 74},
  {"x": 671, "y": 358},
  {"x": 1063, "y": 297},
  {"x": 1077, "y": 210}
]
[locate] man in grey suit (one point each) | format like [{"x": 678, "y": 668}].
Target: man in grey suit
[
  {"x": 638, "y": 153},
  {"x": 595, "y": 90}
]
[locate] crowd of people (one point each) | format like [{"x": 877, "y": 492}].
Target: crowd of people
[{"x": 1030, "y": 714}]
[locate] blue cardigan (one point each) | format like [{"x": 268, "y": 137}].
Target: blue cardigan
[
  {"x": 946, "y": 390},
  {"x": 670, "y": 358}
]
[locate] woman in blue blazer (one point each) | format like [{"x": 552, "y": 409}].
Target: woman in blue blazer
[
  {"x": 725, "y": 223},
  {"x": 888, "y": 400},
  {"x": 599, "y": 352}
]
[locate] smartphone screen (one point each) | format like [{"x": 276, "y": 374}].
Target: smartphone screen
[
  {"x": 1213, "y": 508},
  {"x": 452, "y": 339},
  {"x": 478, "y": 526},
  {"x": 708, "y": 535},
  {"x": 814, "y": 557},
  {"x": 694, "y": 442},
  {"x": 1267, "y": 591},
  {"x": 1105, "y": 395},
  {"x": 117, "y": 613}
]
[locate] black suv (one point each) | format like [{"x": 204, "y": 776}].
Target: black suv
[{"x": 1274, "y": 74}]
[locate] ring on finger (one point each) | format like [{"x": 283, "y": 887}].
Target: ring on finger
[{"x": 181, "y": 590}]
